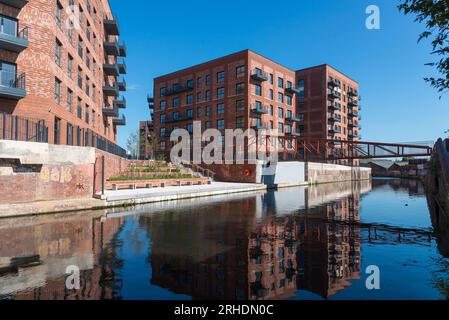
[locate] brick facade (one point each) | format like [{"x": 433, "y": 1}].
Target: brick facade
[
  {"x": 42, "y": 68},
  {"x": 258, "y": 93}
]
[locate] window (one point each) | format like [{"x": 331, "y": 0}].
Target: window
[
  {"x": 220, "y": 93},
  {"x": 69, "y": 134},
  {"x": 86, "y": 114},
  {"x": 207, "y": 111},
  {"x": 220, "y": 124},
  {"x": 271, "y": 125},
  {"x": 58, "y": 91},
  {"x": 189, "y": 99},
  {"x": 88, "y": 59},
  {"x": 289, "y": 84},
  {"x": 162, "y": 105},
  {"x": 271, "y": 94},
  {"x": 289, "y": 100},
  {"x": 162, "y": 144},
  {"x": 162, "y": 91},
  {"x": 79, "y": 111},
  {"x": 93, "y": 118},
  {"x": 240, "y": 88},
  {"x": 69, "y": 66},
  {"x": 80, "y": 78},
  {"x": 69, "y": 100},
  {"x": 239, "y": 105},
  {"x": 221, "y": 77},
  {"x": 87, "y": 86},
  {"x": 289, "y": 114},
  {"x": 80, "y": 47},
  {"x": 189, "y": 83},
  {"x": 189, "y": 114},
  {"x": 162, "y": 118},
  {"x": 58, "y": 50},
  {"x": 271, "y": 78},
  {"x": 199, "y": 82},
  {"x": 8, "y": 26},
  {"x": 280, "y": 112},
  {"x": 271, "y": 110},
  {"x": 58, "y": 14},
  {"x": 240, "y": 71},
  {"x": 288, "y": 128},
  {"x": 258, "y": 89},
  {"x": 199, "y": 112},
  {"x": 175, "y": 115},
  {"x": 88, "y": 31},
  {"x": 207, "y": 95},
  {"x": 207, "y": 80},
  {"x": 207, "y": 124},
  {"x": 162, "y": 132},
  {"x": 301, "y": 87},
  {"x": 280, "y": 127},
  {"x": 240, "y": 122},
  {"x": 220, "y": 109},
  {"x": 199, "y": 97},
  {"x": 57, "y": 131},
  {"x": 175, "y": 102},
  {"x": 281, "y": 83},
  {"x": 280, "y": 97},
  {"x": 190, "y": 128}
]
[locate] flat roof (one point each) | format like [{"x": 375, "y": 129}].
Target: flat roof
[{"x": 248, "y": 51}]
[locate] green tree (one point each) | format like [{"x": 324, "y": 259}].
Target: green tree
[{"x": 435, "y": 15}]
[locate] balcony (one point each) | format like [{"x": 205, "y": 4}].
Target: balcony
[
  {"x": 352, "y": 92},
  {"x": 353, "y": 113},
  {"x": 293, "y": 134},
  {"x": 111, "y": 69},
  {"x": 334, "y": 119},
  {"x": 120, "y": 103},
  {"x": 110, "y": 112},
  {"x": 119, "y": 122},
  {"x": 353, "y": 103},
  {"x": 111, "y": 26},
  {"x": 111, "y": 48},
  {"x": 111, "y": 90},
  {"x": 334, "y": 107},
  {"x": 15, "y": 43},
  {"x": 122, "y": 50},
  {"x": 334, "y": 95},
  {"x": 150, "y": 102},
  {"x": 179, "y": 118},
  {"x": 259, "y": 75},
  {"x": 121, "y": 85},
  {"x": 19, "y": 4},
  {"x": 177, "y": 89},
  {"x": 333, "y": 130},
  {"x": 258, "y": 109},
  {"x": 258, "y": 125},
  {"x": 122, "y": 67},
  {"x": 12, "y": 86},
  {"x": 294, "y": 118},
  {"x": 292, "y": 90},
  {"x": 351, "y": 124},
  {"x": 334, "y": 83}
]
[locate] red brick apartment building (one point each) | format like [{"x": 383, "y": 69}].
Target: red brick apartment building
[
  {"x": 61, "y": 70},
  {"x": 246, "y": 90}
]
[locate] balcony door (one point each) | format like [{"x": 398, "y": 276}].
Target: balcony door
[
  {"x": 7, "y": 74},
  {"x": 8, "y": 26}
]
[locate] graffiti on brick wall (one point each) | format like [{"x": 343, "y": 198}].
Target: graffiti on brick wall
[{"x": 56, "y": 174}]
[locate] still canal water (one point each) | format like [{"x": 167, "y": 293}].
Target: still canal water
[{"x": 300, "y": 243}]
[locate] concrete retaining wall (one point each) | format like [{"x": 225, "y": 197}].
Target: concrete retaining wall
[{"x": 324, "y": 173}]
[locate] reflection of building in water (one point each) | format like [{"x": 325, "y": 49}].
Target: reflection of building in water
[
  {"x": 224, "y": 253},
  {"x": 34, "y": 257}
]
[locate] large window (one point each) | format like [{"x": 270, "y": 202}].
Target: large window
[
  {"x": 239, "y": 122},
  {"x": 7, "y": 74},
  {"x": 58, "y": 52},
  {"x": 8, "y": 26},
  {"x": 58, "y": 14},
  {"x": 240, "y": 71},
  {"x": 220, "y": 109},
  {"x": 175, "y": 102},
  {"x": 69, "y": 100},
  {"x": 220, "y": 124},
  {"x": 258, "y": 89},
  {"x": 220, "y": 93},
  {"x": 58, "y": 91},
  {"x": 240, "y": 88},
  {"x": 189, "y": 99},
  {"x": 280, "y": 83},
  {"x": 221, "y": 77}
]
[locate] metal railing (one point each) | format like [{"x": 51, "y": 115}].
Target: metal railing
[
  {"x": 11, "y": 80},
  {"x": 21, "y": 129}
]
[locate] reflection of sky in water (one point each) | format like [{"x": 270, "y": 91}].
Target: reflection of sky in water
[{"x": 205, "y": 248}]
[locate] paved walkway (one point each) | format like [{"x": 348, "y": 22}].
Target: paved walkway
[{"x": 183, "y": 192}]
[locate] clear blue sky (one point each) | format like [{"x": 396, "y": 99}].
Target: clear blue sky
[{"x": 398, "y": 106}]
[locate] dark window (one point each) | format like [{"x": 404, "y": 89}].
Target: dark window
[
  {"x": 57, "y": 131},
  {"x": 220, "y": 124},
  {"x": 240, "y": 71},
  {"x": 220, "y": 93},
  {"x": 220, "y": 77},
  {"x": 220, "y": 109},
  {"x": 240, "y": 88},
  {"x": 258, "y": 89}
]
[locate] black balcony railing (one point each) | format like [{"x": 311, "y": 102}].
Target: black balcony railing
[
  {"x": 352, "y": 103},
  {"x": 294, "y": 118},
  {"x": 258, "y": 109},
  {"x": 334, "y": 95},
  {"x": 22, "y": 129},
  {"x": 177, "y": 89},
  {"x": 259, "y": 75},
  {"x": 334, "y": 83},
  {"x": 352, "y": 92},
  {"x": 293, "y": 90},
  {"x": 334, "y": 107}
]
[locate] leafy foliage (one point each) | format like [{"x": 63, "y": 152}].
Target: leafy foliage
[{"x": 435, "y": 15}]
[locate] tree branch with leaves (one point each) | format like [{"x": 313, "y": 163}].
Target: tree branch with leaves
[{"x": 435, "y": 15}]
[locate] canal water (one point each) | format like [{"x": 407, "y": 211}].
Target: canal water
[{"x": 297, "y": 243}]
